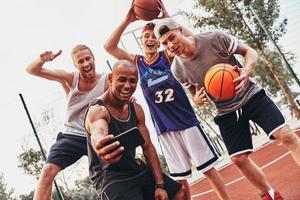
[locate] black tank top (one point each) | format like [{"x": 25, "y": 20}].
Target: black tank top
[{"x": 103, "y": 174}]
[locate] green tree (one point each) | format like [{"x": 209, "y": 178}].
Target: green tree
[
  {"x": 27, "y": 197},
  {"x": 31, "y": 162},
  {"x": 5, "y": 193},
  {"x": 83, "y": 190},
  {"x": 162, "y": 161},
  {"x": 163, "y": 164},
  {"x": 268, "y": 80},
  {"x": 235, "y": 17}
]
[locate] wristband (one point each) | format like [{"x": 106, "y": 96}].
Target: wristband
[{"x": 160, "y": 185}]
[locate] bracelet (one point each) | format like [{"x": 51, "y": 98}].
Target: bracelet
[{"x": 160, "y": 185}]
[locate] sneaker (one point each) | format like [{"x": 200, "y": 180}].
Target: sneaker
[{"x": 266, "y": 196}]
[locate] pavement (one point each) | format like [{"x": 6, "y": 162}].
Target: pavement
[{"x": 258, "y": 142}]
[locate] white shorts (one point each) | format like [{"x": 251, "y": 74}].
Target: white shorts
[{"x": 186, "y": 147}]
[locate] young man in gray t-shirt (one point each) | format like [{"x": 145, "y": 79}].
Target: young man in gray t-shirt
[{"x": 195, "y": 55}]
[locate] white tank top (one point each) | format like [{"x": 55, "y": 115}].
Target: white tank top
[{"x": 77, "y": 104}]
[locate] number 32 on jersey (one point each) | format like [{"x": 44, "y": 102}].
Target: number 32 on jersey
[{"x": 166, "y": 95}]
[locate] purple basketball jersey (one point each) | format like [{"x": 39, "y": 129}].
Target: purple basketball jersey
[{"x": 169, "y": 106}]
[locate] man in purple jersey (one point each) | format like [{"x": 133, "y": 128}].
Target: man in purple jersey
[
  {"x": 181, "y": 137},
  {"x": 195, "y": 55}
]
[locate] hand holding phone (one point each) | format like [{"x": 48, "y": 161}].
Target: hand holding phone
[
  {"x": 111, "y": 152},
  {"x": 129, "y": 139}
]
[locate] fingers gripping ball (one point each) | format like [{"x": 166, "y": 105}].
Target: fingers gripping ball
[
  {"x": 146, "y": 9},
  {"x": 218, "y": 82}
]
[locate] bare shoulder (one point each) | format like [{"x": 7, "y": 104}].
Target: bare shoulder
[
  {"x": 68, "y": 76},
  {"x": 96, "y": 112},
  {"x": 137, "y": 107},
  {"x": 139, "y": 112}
]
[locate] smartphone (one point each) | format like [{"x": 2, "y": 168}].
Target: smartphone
[{"x": 129, "y": 139}]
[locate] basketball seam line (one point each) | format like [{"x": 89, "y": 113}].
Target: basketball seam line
[
  {"x": 212, "y": 78},
  {"x": 224, "y": 70},
  {"x": 145, "y": 8},
  {"x": 220, "y": 95}
]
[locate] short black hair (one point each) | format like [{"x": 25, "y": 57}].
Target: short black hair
[{"x": 124, "y": 63}]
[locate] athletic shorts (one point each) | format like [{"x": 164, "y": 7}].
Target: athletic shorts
[
  {"x": 235, "y": 129},
  {"x": 67, "y": 149},
  {"x": 182, "y": 148},
  {"x": 140, "y": 188}
]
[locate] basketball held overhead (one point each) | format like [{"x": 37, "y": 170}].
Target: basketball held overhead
[{"x": 146, "y": 9}]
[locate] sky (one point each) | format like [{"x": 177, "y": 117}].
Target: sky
[{"x": 30, "y": 27}]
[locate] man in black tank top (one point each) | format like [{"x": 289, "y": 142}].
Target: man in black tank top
[{"x": 115, "y": 173}]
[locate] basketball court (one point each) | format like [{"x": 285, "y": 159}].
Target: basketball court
[{"x": 275, "y": 161}]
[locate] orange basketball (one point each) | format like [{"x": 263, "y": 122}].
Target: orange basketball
[
  {"x": 218, "y": 82},
  {"x": 146, "y": 9}
]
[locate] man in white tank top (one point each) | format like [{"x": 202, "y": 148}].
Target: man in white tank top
[{"x": 80, "y": 86}]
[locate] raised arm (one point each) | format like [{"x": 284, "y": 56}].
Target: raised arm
[
  {"x": 37, "y": 68},
  {"x": 149, "y": 151},
  {"x": 111, "y": 45},
  {"x": 96, "y": 124}
]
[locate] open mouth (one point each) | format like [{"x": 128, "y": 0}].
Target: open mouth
[
  {"x": 87, "y": 69},
  {"x": 175, "y": 51},
  {"x": 125, "y": 93},
  {"x": 150, "y": 45},
  {"x": 88, "y": 73}
]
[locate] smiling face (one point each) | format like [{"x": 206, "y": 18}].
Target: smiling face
[
  {"x": 123, "y": 80},
  {"x": 85, "y": 63},
  {"x": 173, "y": 42},
  {"x": 149, "y": 42}
]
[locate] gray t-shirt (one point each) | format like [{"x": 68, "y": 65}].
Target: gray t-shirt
[{"x": 213, "y": 48}]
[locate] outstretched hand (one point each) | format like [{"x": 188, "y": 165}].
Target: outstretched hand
[
  {"x": 200, "y": 95},
  {"x": 110, "y": 153},
  {"x": 49, "y": 56}
]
